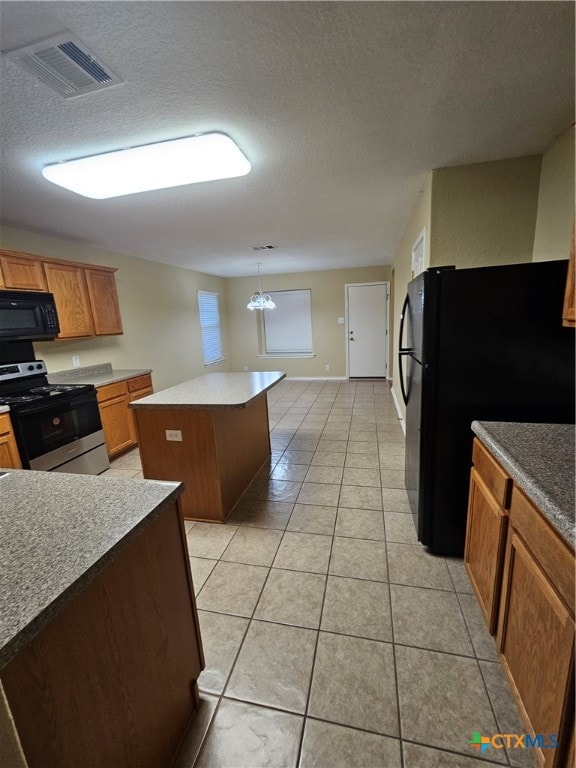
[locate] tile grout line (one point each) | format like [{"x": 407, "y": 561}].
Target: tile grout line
[
  {"x": 399, "y": 714},
  {"x": 229, "y": 675},
  {"x": 314, "y": 656}
]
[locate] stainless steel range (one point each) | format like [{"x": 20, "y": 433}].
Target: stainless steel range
[{"x": 57, "y": 426}]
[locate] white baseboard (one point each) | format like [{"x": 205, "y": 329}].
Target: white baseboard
[
  {"x": 397, "y": 404},
  {"x": 315, "y": 378}
]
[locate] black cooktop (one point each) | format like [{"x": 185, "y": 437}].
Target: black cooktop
[{"x": 26, "y": 383}]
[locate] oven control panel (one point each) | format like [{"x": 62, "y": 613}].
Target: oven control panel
[{"x": 18, "y": 370}]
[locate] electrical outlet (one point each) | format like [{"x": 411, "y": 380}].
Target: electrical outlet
[
  {"x": 245, "y": 367},
  {"x": 340, "y": 321},
  {"x": 174, "y": 435},
  {"x": 75, "y": 361},
  {"x": 327, "y": 367}
]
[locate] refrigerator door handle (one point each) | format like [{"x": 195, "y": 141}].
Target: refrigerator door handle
[{"x": 402, "y": 351}]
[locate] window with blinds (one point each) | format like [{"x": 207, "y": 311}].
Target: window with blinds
[
  {"x": 210, "y": 325},
  {"x": 288, "y": 328}
]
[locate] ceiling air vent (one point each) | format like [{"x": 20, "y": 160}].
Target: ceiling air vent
[
  {"x": 263, "y": 247},
  {"x": 64, "y": 64}
]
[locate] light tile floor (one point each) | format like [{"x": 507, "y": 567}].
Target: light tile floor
[{"x": 331, "y": 637}]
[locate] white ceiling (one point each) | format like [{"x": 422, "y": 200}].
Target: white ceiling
[{"x": 341, "y": 107}]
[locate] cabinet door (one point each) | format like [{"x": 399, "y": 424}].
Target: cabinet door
[
  {"x": 536, "y": 643},
  {"x": 117, "y": 423},
  {"x": 68, "y": 284},
  {"x": 9, "y": 456},
  {"x": 136, "y": 395},
  {"x": 21, "y": 273},
  {"x": 569, "y": 311},
  {"x": 485, "y": 544},
  {"x": 104, "y": 302}
]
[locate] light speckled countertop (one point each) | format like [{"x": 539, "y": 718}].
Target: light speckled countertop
[
  {"x": 4, "y": 408},
  {"x": 99, "y": 375},
  {"x": 58, "y": 532},
  {"x": 213, "y": 390},
  {"x": 540, "y": 460}
]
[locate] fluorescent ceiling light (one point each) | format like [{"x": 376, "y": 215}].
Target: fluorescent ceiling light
[{"x": 154, "y": 166}]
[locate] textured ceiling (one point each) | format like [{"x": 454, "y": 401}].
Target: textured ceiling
[{"x": 341, "y": 107}]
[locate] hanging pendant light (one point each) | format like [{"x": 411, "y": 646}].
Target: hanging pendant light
[{"x": 260, "y": 300}]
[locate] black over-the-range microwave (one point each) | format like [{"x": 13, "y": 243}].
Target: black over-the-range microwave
[{"x": 27, "y": 315}]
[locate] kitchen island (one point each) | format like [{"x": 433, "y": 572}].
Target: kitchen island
[
  {"x": 100, "y": 648},
  {"x": 210, "y": 433}
]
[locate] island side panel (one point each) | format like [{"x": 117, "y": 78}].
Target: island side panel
[
  {"x": 242, "y": 438},
  {"x": 192, "y": 460},
  {"x": 111, "y": 679}
]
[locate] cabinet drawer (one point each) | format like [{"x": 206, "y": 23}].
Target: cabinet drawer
[
  {"x": 494, "y": 477},
  {"x": 554, "y": 555},
  {"x": 111, "y": 390},
  {"x": 141, "y": 393},
  {"x": 140, "y": 382}
]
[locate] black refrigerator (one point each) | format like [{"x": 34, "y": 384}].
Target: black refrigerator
[{"x": 484, "y": 343}]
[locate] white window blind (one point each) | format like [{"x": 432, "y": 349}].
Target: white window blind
[
  {"x": 288, "y": 328},
  {"x": 210, "y": 324}
]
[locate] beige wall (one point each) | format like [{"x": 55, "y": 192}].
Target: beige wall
[
  {"x": 485, "y": 213},
  {"x": 402, "y": 271},
  {"x": 159, "y": 309},
  {"x": 475, "y": 215},
  {"x": 328, "y": 304},
  {"x": 556, "y": 201}
]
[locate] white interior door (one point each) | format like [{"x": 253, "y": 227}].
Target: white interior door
[{"x": 367, "y": 330}]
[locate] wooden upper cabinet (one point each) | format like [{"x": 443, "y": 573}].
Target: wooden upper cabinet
[
  {"x": 569, "y": 312},
  {"x": 21, "y": 273},
  {"x": 85, "y": 294},
  {"x": 68, "y": 284},
  {"x": 104, "y": 302}
]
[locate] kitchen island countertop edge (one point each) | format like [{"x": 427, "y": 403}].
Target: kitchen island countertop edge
[
  {"x": 86, "y": 522},
  {"x": 213, "y": 391}
]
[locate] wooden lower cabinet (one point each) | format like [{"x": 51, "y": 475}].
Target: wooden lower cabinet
[
  {"x": 484, "y": 552},
  {"x": 569, "y": 310},
  {"x": 536, "y": 646},
  {"x": 110, "y": 681},
  {"x": 486, "y": 531},
  {"x": 137, "y": 394},
  {"x": 9, "y": 456},
  {"x": 117, "y": 425},
  {"x": 118, "y": 420},
  {"x": 523, "y": 574}
]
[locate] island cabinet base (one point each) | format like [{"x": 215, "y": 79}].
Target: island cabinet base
[
  {"x": 220, "y": 451},
  {"x": 111, "y": 680}
]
